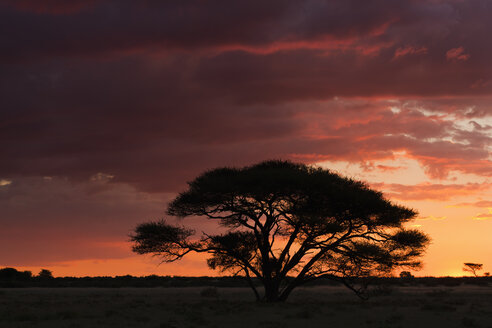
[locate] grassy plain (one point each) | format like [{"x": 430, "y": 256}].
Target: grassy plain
[{"x": 321, "y": 306}]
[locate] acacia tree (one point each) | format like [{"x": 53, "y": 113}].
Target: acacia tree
[
  {"x": 287, "y": 224},
  {"x": 473, "y": 268}
]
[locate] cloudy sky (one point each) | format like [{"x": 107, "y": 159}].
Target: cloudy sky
[{"x": 108, "y": 108}]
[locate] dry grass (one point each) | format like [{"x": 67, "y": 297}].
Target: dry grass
[{"x": 463, "y": 306}]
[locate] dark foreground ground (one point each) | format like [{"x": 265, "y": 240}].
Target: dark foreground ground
[{"x": 321, "y": 306}]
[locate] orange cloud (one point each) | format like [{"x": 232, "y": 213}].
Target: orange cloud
[
  {"x": 481, "y": 203},
  {"x": 484, "y": 216},
  {"x": 429, "y": 191}
]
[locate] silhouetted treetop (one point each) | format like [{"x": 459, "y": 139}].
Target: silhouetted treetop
[
  {"x": 10, "y": 274},
  {"x": 45, "y": 274},
  {"x": 288, "y": 218},
  {"x": 302, "y": 189},
  {"x": 473, "y": 268}
]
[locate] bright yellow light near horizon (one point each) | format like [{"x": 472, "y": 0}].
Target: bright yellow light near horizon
[
  {"x": 5, "y": 182},
  {"x": 432, "y": 217},
  {"x": 484, "y": 216},
  {"x": 454, "y": 273}
]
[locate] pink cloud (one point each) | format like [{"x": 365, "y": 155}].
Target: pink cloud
[
  {"x": 387, "y": 168},
  {"x": 410, "y": 50},
  {"x": 457, "y": 54}
]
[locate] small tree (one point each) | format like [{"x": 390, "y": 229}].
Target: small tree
[
  {"x": 472, "y": 268},
  {"x": 286, "y": 218},
  {"x": 45, "y": 274},
  {"x": 406, "y": 275}
]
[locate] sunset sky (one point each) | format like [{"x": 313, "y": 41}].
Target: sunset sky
[{"x": 108, "y": 108}]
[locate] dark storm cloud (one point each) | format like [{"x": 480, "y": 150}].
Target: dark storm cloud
[
  {"x": 119, "y": 26},
  {"x": 154, "y": 92},
  {"x": 45, "y": 220},
  {"x": 112, "y": 27},
  {"x": 54, "y": 7}
]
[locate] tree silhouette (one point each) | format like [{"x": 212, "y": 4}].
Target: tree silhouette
[
  {"x": 473, "y": 268},
  {"x": 45, "y": 274},
  {"x": 406, "y": 275},
  {"x": 11, "y": 274},
  {"x": 283, "y": 219}
]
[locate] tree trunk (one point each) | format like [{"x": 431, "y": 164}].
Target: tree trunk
[
  {"x": 251, "y": 284},
  {"x": 272, "y": 292},
  {"x": 286, "y": 292}
]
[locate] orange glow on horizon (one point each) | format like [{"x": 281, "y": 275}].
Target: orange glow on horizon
[{"x": 450, "y": 220}]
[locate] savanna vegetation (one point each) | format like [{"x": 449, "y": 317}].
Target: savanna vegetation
[
  {"x": 12, "y": 278},
  {"x": 404, "y": 307}
]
